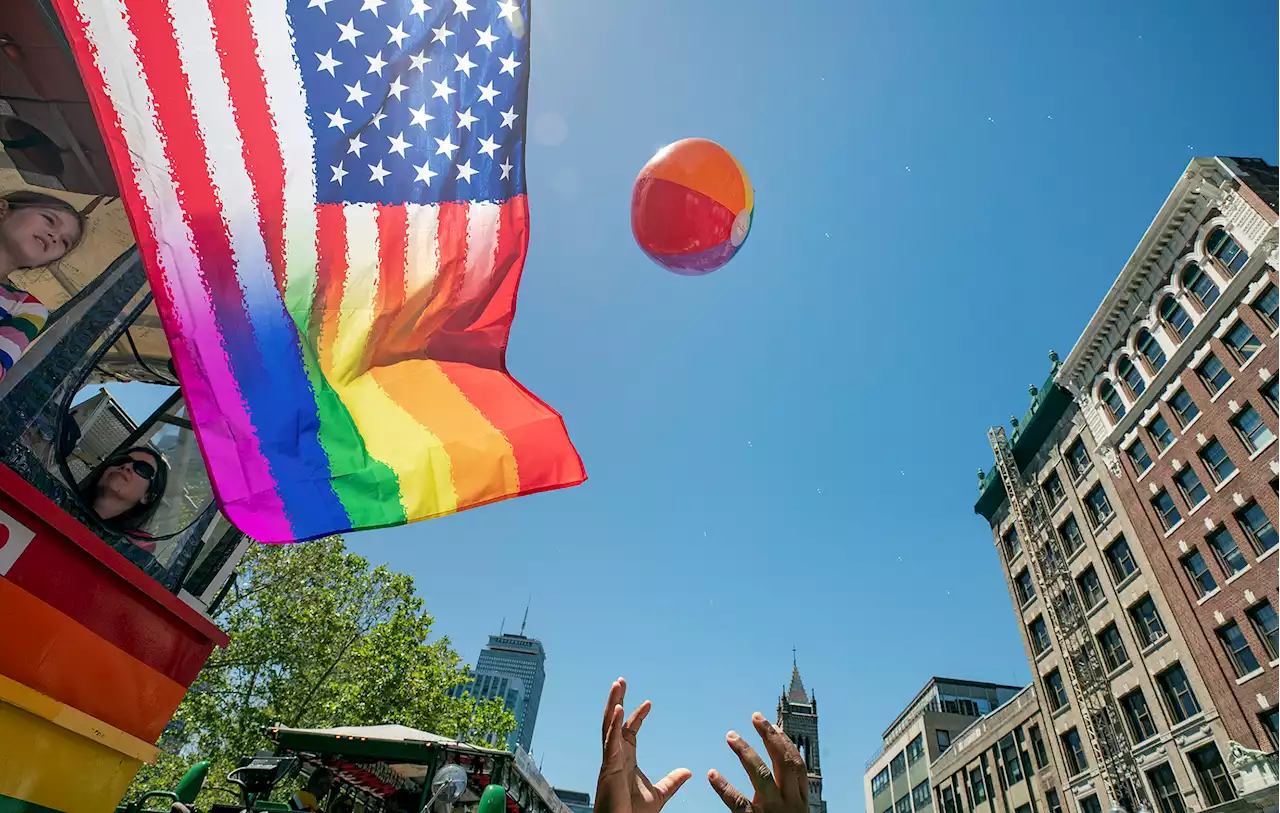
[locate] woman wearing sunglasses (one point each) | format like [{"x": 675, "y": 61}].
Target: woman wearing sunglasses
[{"x": 125, "y": 491}]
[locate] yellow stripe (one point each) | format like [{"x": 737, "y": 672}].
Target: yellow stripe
[
  {"x": 391, "y": 435},
  {"x": 746, "y": 183},
  {"x": 45, "y": 764},
  {"x": 72, "y": 719}
]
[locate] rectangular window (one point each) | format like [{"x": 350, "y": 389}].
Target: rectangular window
[
  {"x": 1215, "y": 459},
  {"x": 1098, "y": 506},
  {"x": 1226, "y": 551},
  {"x": 1012, "y": 547},
  {"x": 1213, "y": 374},
  {"x": 1055, "y": 690},
  {"x": 1009, "y": 756},
  {"x": 1165, "y": 788},
  {"x": 915, "y": 750},
  {"x": 948, "y": 797},
  {"x": 1249, "y": 426},
  {"x": 921, "y": 796},
  {"x": 1212, "y": 775},
  {"x": 1089, "y": 804},
  {"x": 1202, "y": 581},
  {"x": 1266, "y": 305},
  {"x": 903, "y": 805},
  {"x": 1147, "y": 621},
  {"x": 1189, "y": 484},
  {"x": 1184, "y": 406},
  {"x": 944, "y": 740},
  {"x": 1039, "y": 634},
  {"x": 1271, "y": 722},
  {"x": 1037, "y": 746},
  {"x": 1138, "y": 456},
  {"x": 1241, "y": 341},
  {"x": 1262, "y": 617},
  {"x": 1261, "y": 533},
  {"x": 1078, "y": 459},
  {"x": 1161, "y": 433},
  {"x": 977, "y": 786},
  {"x": 1113, "y": 651},
  {"x": 1054, "y": 493},
  {"x": 1138, "y": 716},
  {"x": 1120, "y": 560},
  {"x": 1073, "y": 750},
  {"x": 1052, "y": 800},
  {"x": 898, "y": 765},
  {"x": 1271, "y": 392},
  {"x": 1025, "y": 587},
  {"x": 1090, "y": 587},
  {"x": 1178, "y": 695},
  {"x": 1237, "y": 648},
  {"x": 880, "y": 782},
  {"x": 1069, "y": 533},
  {"x": 1166, "y": 509}
]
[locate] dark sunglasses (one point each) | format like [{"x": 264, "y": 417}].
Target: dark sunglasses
[{"x": 142, "y": 468}]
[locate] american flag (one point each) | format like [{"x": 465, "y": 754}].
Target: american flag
[{"x": 329, "y": 197}]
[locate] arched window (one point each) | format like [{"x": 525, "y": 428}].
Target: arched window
[
  {"x": 1151, "y": 350},
  {"x": 1176, "y": 317},
  {"x": 1111, "y": 398},
  {"x": 1227, "y": 250},
  {"x": 1131, "y": 376},
  {"x": 1200, "y": 285}
]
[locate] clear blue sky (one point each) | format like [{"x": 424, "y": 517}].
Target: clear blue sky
[{"x": 784, "y": 453}]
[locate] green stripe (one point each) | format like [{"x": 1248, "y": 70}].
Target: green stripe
[{"x": 8, "y": 804}]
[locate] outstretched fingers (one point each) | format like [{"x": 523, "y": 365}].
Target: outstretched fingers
[
  {"x": 793, "y": 776},
  {"x": 632, "y": 726},
  {"x": 667, "y": 786},
  {"x": 731, "y": 796},
  {"x": 762, "y": 779},
  {"x": 617, "y": 693}
]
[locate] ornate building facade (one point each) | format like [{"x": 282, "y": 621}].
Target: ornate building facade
[{"x": 798, "y": 719}]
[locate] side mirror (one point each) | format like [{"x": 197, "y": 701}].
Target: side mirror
[{"x": 449, "y": 784}]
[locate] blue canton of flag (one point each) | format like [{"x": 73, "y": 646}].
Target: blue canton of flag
[{"x": 414, "y": 103}]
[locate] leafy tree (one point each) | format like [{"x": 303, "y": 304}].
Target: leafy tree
[{"x": 318, "y": 638}]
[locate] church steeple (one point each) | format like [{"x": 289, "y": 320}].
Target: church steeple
[{"x": 798, "y": 719}]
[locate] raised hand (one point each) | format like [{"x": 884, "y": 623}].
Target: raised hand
[
  {"x": 623, "y": 787},
  {"x": 782, "y": 789}
]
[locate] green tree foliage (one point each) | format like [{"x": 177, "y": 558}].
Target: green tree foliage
[{"x": 318, "y": 638}]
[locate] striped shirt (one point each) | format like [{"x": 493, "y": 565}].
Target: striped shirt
[{"x": 22, "y": 317}]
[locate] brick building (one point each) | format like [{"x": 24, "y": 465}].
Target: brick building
[
  {"x": 1176, "y": 377},
  {"x": 1161, "y": 694}
]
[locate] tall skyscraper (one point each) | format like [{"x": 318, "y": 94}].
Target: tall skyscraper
[
  {"x": 798, "y": 718},
  {"x": 512, "y": 668}
]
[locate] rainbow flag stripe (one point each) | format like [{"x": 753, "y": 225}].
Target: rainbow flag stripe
[{"x": 336, "y": 276}]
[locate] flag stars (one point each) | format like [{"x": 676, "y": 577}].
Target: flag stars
[
  {"x": 397, "y": 88},
  {"x": 443, "y": 91},
  {"x": 446, "y": 147},
  {"x": 465, "y": 171},
  {"x": 506, "y": 168},
  {"x": 338, "y": 174},
  {"x": 442, "y": 35},
  {"x": 424, "y": 174},
  {"x": 356, "y": 145},
  {"x": 509, "y": 117},
  {"x": 488, "y": 146},
  {"x": 420, "y": 8},
  {"x": 327, "y": 62},
  {"x": 377, "y": 174},
  {"x": 464, "y": 64},
  {"x": 336, "y": 120},
  {"x": 398, "y": 145},
  {"x": 508, "y": 10},
  {"x": 488, "y": 94},
  {"x": 373, "y": 5},
  {"x": 487, "y": 38},
  {"x": 349, "y": 32},
  {"x": 419, "y": 61},
  {"x": 420, "y": 117},
  {"x": 356, "y": 94},
  {"x": 509, "y": 64},
  {"x": 376, "y": 121},
  {"x": 323, "y": 5},
  {"x": 397, "y": 35},
  {"x": 463, "y": 7},
  {"x": 465, "y": 119},
  {"x": 376, "y": 63}
]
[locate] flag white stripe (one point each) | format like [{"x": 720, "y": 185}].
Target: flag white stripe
[
  {"x": 482, "y": 247},
  {"x": 115, "y": 52},
  {"x": 360, "y": 295},
  {"x": 422, "y": 264}
]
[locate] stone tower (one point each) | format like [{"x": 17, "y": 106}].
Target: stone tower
[{"x": 798, "y": 718}]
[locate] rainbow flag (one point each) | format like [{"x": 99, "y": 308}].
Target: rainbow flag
[{"x": 330, "y": 199}]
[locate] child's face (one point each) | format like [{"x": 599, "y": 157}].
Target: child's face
[{"x": 37, "y": 235}]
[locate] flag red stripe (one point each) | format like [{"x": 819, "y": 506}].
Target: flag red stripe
[
  {"x": 237, "y": 46},
  {"x": 331, "y": 277}
]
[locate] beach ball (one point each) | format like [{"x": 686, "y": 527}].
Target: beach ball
[{"x": 691, "y": 207}]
